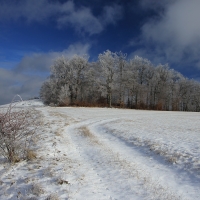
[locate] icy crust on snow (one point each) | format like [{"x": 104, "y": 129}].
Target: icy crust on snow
[{"x": 107, "y": 154}]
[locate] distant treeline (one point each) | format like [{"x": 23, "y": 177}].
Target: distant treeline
[{"x": 115, "y": 81}]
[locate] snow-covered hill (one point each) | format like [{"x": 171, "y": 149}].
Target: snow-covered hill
[{"x": 100, "y": 153}]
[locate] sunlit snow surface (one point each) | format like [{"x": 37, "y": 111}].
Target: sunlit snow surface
[{"x": 103, "y": 153}]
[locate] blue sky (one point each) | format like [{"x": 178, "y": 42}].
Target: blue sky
[{"x": 34, "y": 32}]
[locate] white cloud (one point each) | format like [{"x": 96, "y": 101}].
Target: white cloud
[
  {"x": 41, "y": 62},
  {"x": 179, "y": 24},
  {"x": 82, "y": 19},
  {"x": 175, "y": 33},
  {"x": 26, "y": 78},
  {"x": 111, "y": 14},
  {"x": 13, "y": 83},
  {"x": 64, "y": 14},
  {"x": 77, "y": 48}
]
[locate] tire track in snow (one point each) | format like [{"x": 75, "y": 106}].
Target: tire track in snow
[
  {"x": 156, "y": 186},
  {"x": 101, "y": 155},
  {"x": 185, "y": 161},
  {"x": 116, "y": 181},
  {"x": 162, "y": 170}
]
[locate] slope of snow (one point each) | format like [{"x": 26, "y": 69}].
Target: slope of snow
[
  {"x": 28, "y": 103},
  {"x": 101, "y": 153}
]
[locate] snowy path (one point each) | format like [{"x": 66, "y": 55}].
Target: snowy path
[
  {"x": 120, "y": 169},
  {"x": 107, "y": 154}
]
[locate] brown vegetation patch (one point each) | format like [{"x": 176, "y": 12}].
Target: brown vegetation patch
[{"x": 87, "y": 133}]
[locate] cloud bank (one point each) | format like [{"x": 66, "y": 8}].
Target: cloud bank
[
  {"x": 173, "y": 35},
  {"x": 41, "y": 62},
  {"x": 27, "y": 78}
]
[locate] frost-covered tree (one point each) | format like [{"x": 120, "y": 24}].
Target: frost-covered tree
[
  {"x": 78, "y": 66},
  {"x": 108, "y": 63},
  {"x": 121, "y": 65},
  {"x": 66, "y": 74},
  {"x": 49, "y": 91},
  {"x": 114, "y": 80},
  {"x": 196, "y": 97},
  {"x": 137, "y": 78},
  {"x": 64, "y": 96}
]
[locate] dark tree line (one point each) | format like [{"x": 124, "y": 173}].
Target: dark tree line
[{"x": 115, "y": 81}]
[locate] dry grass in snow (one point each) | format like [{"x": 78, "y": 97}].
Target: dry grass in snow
[{"x": 100, "y": 153}]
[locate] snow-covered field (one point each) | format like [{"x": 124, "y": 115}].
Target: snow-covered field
[{"x": 102, "y": 153}]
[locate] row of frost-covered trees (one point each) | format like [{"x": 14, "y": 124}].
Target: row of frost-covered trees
[{"x": 115, "y": 81}]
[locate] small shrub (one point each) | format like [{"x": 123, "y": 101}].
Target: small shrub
[{"x": 17, "y": 126}]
